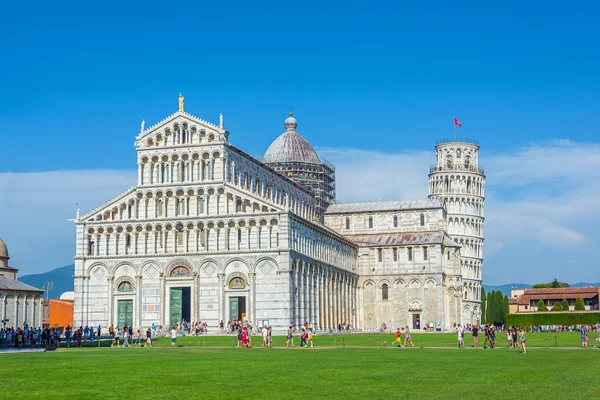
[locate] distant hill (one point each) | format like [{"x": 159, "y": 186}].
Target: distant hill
[
  {"x": 61, "y": 278},
  {"x": 505, "y": 289}
]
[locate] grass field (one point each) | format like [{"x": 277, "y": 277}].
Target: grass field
[
  {"x": 326, "y": 373},
  {"x": 550, "y": 339}
]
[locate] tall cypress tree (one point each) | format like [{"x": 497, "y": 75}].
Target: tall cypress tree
[
  {"x": 506, "y": 307},
  {"x": 498, "y": 308}
]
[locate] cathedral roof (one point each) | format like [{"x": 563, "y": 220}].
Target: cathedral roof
[
  {"x": 291, "y": 147},
  {"x": 384, "y": 206},
  {"x": 399, "y": 239},
  {"x": 3, "y": 249},
  {"x": 10, "y": 284}
]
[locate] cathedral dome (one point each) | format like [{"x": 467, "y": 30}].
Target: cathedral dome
[
  {"x": 291, "y": 147},
  {"x": 3, "y": 249}
]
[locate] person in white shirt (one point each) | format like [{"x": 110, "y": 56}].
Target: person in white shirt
[
  {"x": 460, "y": 332},
  {"x": 265, "y": 334},
  {"x": 173, "y": 337}
]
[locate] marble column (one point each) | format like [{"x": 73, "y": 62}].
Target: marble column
[
  {"x": 109, "y": 309},
  {"x": 138, "y": 301}
]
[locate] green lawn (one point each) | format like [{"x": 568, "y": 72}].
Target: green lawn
[
  {"x": 563, "y": 339},
  {"x": 376, "y": 373}
]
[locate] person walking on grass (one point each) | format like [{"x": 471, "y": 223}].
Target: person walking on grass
[
  {"x": 523, "y": 339},
  {"x": 475, "y": 333},
  {"x": 265, "y": 335},
  {"x": 584, "y": 336},
  {"x": 116, "y": 337},
  {"x": 461, "y": 333},
  {"x": 492, "y": 337},
  {"x": 174, "y": 337},
  {"x": 290, "y": 337},
  {"x": 149, "y": 338},
  {"x": 138, "y": 336},
  {"x": 126, "y": 338},
  {"x": 486, "y": 331},
  {"x": 270, "y": 337},
  {"x": 309, "y": 339},
  {"x": 398, "y": 338},
  {"x": 407, "y": 337}
]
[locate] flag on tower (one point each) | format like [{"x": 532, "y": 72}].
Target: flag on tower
[{"x": 456, "y": 122}]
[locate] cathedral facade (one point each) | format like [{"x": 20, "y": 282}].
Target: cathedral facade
[{"x": 210, "y": 233}]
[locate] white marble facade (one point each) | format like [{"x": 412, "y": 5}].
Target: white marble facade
[{"x": 210, "y": 233}]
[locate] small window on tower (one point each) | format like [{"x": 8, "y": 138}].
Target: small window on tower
[
  {"x": 370, "y": 222},
  {"x": 395, "y": 251},
  {"x": 422, "y": 220},
  {"x": 347, "y": 223},
  {"x": 424, "y": 252},
  {"x": 410, "y": 254},
  {"x": 127, "y": 240},
  {"x": 379, "y": 255},
  {"x": 395, "y": 221}
]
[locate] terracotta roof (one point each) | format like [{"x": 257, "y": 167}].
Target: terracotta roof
[{"x": 557, "y": 294}]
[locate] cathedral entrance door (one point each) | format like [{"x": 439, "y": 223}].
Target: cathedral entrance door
[
  {"x": 237, "y": 308},
  {"x": 416, "y": 321},
  {"x": 180, "y": 305},
  {"x": 124, "y": 313}
]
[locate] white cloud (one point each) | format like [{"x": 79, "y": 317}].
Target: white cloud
[{"x": 34, "y": 208}]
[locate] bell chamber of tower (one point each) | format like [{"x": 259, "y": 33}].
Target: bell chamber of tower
[{"x": 459, "y": 181}]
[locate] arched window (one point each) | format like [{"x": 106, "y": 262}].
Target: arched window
[
  {"x": 347, "y": 222},
  {"x": 395, "y": 221},
  {"x": 422, "y": 219},
  {"x": 371, "y": 222},
  {"x": 384, "y": 291},
  {"x": 467, "y": 161},
  {"x": 449, "y": 162}
]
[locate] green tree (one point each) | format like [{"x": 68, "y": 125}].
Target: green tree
[
  {"x": 541, "y": 286},
  {"x": 565, "y": 305},
  {"x": 542, "y": 305},
  {"x": 499, "y": 313},
  {"x": 556, "y": 307},
  {"x": 490, "y": 307},
  {"x": 579, "y": 305},
  {"x": 483, "y": 305},
  {"x": 556, "y": 284}
]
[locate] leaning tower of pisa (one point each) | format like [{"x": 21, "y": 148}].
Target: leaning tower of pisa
[{"x": 458, "y": 179}]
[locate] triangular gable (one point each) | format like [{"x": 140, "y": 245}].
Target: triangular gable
[{"x": 178, "y": 117}]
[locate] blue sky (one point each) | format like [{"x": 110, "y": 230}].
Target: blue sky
[{"x": 378, "y": 80}]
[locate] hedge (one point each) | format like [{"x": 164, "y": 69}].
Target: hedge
[{"x": 553, "y": 318}]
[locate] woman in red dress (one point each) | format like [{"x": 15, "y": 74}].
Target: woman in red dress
[{"x": 245, "y": 338}]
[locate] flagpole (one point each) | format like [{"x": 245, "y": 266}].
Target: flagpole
[{"x": 454, "y": 123}]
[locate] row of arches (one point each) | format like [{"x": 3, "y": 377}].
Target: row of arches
[
  {"x": 470, "y": 247},
  {"x": 180, "y": 133},
  {"x": 186, "y": 202},
  {"x": 472, "y": 291},
  {"x": 462, "y": 205},
  {"x": 183, "y": 237},
  {"x": 471, "y": 269},
  {"x": 180, "y": 267},
  {"x": 180, "y": 167},
  {"x": 465, "y": 226},
  {"x": 445, "y": 183}
]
